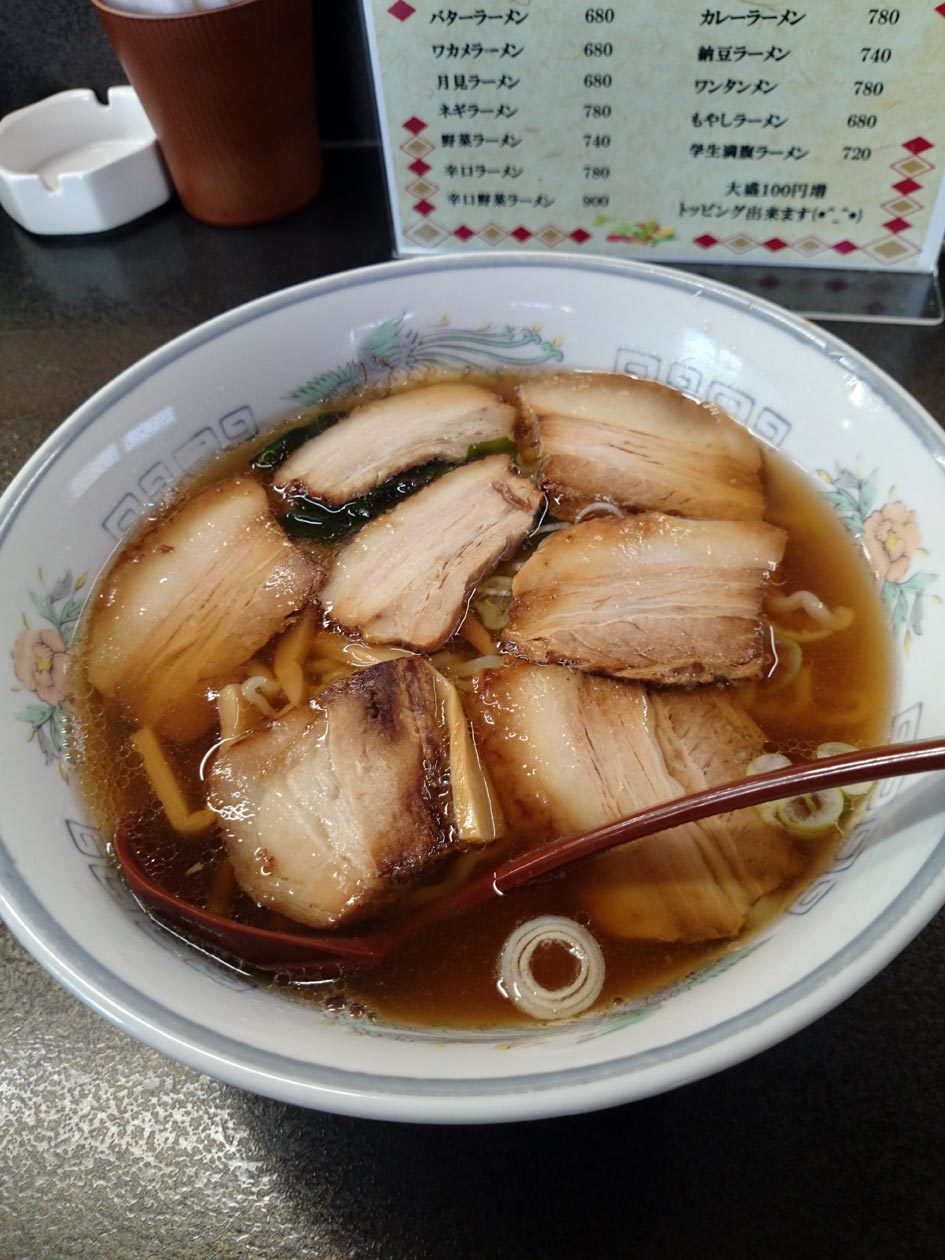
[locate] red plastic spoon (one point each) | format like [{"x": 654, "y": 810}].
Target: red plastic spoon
[{"x": 301, "y": 954}]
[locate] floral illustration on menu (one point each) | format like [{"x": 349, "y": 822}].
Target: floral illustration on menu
[
  {"x": 649, "y": 232},
  {"x": 890, "y": 534},
  {"x": 391, "y": 351},
  {"x": 42, "y": 663}
]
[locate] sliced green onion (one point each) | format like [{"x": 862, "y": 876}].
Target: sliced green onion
[
  {"x": 767, "y": 762},
  {"x": 761, "y": 765},
  {"x": 497, "y": 585},
  {"x": 493, "y": 610},
  {"x": 836, "y": 749},
  {"x": 493, "y": 600},
  {"x": 517, "y": 980},
  {"x": 494, "y": 446},
  {"x": 598, "y": 508},
  {"x": 811, "y": 814}
]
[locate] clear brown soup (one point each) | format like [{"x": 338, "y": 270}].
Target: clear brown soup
[{"x": 447, "y": 976}]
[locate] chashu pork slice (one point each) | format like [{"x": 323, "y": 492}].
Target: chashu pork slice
[
  {"x": 653, "y": 598},
  {"x": 329, "y": 810},
  {"x": 382, "y": 438},
  {"x": 405, "y": 578},
  {"x": 640, "y": 445},
  {"x": 568, "y": 751},
  {"x": 197, "y": 595}
]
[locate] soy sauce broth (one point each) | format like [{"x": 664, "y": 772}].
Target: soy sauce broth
[{"x": 447, "y": 976}]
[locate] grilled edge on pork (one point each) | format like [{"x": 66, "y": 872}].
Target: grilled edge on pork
[
  {"x": 329, "y": 810},
  {"x": 639, "y": 445},
  {"x": 385, "y": 437},
  {"x": 406, "y": 577},
  {"x": 653, "y": 598},
  {"x": 194, "y": 598}
]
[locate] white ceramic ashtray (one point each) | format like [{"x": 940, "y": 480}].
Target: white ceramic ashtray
[{"x": 69, "y": 164}]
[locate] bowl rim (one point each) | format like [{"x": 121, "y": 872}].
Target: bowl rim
[{"x": 495, "y": 1098}]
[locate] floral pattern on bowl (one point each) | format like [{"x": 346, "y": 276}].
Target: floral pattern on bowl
[
  {"x": 41, "y": 662},
  {"x": 891, "y": 539}
]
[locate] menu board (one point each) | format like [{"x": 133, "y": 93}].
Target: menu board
[{"x": 810, "y": 133}]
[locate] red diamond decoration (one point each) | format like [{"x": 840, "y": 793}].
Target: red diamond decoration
[
  {"x": 918, "y": 145},
  {"x": 415, "y": 125},
  {"x": 420, "y": 167},
  {"x": 896, "y": 225},
  {"x": 775, "y": 244},
  {"x": 401, "y": 10},
  {"x": 521, "y": 234},
  {"x": 424, "y": 207},
  {"x": 579, "y": 236},
  {"x": 844, "y": 247},
  {"x": 464, "y": 233},
  {"x": 906, "y": 186},
  {"x": 940, "y": 8},
  {"x": 705, "y": 240}
]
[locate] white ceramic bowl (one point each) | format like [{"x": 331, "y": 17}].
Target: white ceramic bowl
[{"x": 880, "y": 458}]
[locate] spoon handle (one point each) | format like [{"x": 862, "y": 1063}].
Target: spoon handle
[
  {"x": 300, "y": 955},
  {"x": 816, "y": 776}
]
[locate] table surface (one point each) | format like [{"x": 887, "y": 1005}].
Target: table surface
[{"x": 831, "y": 1143}]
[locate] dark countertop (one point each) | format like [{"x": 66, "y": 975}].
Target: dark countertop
[{"x": 830, "y": 1144}]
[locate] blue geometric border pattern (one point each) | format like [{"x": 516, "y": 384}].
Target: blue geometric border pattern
[
  {"x": 88, "y": 840},
  {"x": 685, "y": 375},
  {"x": 187, "y": 952},
  {"x": 813, "y": 895},
  {"x": 230, "y": 429},
  {"x": 903, "y": 727}
]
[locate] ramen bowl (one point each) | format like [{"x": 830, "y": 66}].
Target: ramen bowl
[{"x": 877, "y": 457}]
